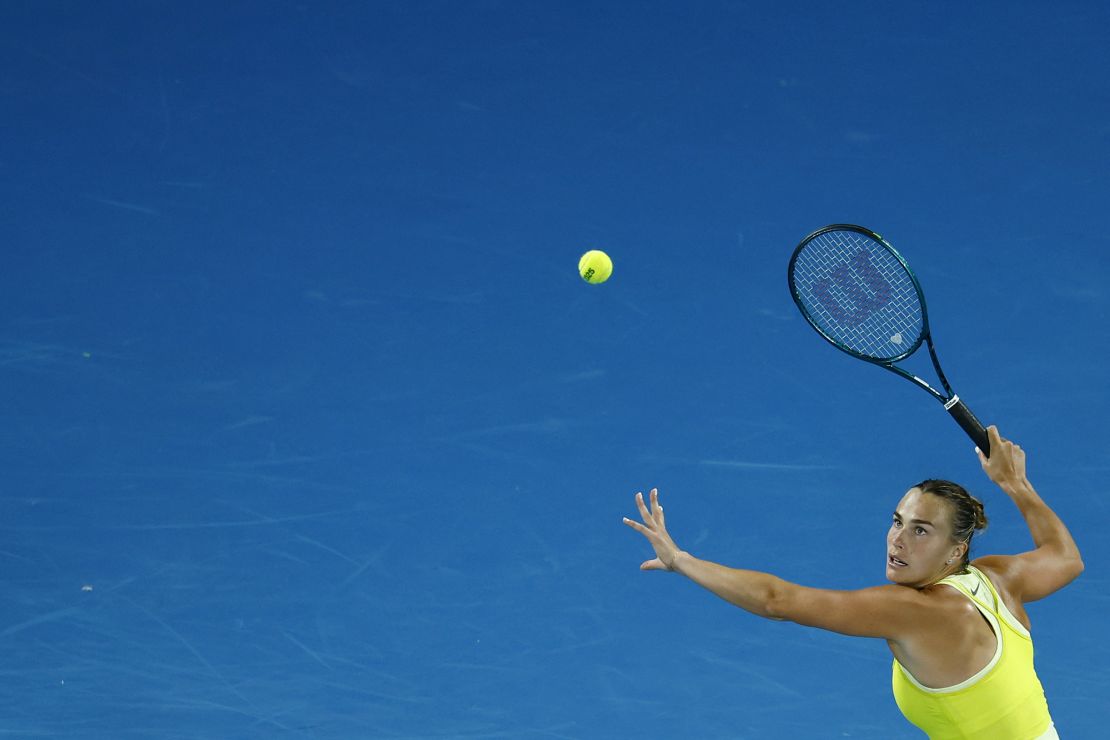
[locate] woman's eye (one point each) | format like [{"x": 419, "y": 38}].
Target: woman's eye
[
  {"x": 897, "y": 523},
  {"x": 920, "y": 530}
]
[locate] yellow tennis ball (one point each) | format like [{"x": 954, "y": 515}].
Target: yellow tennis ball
[{"x": 595, "y": 267}]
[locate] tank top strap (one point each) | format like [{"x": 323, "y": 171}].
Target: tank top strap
[{"x": 974, "y": 584}]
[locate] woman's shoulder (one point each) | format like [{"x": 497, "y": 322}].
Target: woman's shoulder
[{"x": 999, "y": 569}]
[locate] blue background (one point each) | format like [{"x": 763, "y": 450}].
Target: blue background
[{"x": 310, "y": 428}]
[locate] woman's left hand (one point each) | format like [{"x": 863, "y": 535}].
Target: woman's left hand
[{"x": 655, "y": 529}]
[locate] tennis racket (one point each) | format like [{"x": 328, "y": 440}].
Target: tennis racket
[{"x": 860, "y": 295}]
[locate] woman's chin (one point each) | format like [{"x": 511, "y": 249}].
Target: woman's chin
[{"x": 897, "y": 575}]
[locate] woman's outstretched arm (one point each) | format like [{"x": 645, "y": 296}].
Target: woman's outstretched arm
[{"x": 891, "y": 612}]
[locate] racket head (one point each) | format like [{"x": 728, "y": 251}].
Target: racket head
[{"x": 859, "y": 294}]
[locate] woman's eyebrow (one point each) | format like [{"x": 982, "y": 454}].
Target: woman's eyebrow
[{"x": 915, "y": 521}]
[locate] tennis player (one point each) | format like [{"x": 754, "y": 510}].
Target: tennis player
[{"x": 963, "y": 656}]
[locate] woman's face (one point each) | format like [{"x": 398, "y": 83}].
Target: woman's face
[{"x": 919, "y": 543}]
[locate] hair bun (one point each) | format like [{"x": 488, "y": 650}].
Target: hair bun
[{"x": 980, "y": 513}]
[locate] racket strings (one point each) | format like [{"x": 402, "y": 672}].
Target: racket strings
[{"x": 859, "y": 294}]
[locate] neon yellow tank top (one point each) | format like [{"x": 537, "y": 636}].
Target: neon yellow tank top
[{"x": 1003, "y": 701}]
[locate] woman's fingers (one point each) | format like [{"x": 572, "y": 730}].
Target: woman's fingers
[
  {"x": 654, "y": 530},
  {"x": 998, "y": 441},
  {"x": 657, "y": 510},
  {"x": 1007, "y": 459}
]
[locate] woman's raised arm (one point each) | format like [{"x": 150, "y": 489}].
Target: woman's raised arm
[{"x": 1055, "y": 562}]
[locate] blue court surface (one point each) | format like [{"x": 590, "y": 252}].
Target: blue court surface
[{"x": 312, "y": 430}]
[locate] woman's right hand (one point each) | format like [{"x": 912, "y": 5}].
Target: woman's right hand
[{"x": 1006, "y": 465}]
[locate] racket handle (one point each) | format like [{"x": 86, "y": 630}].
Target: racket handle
[{"x": 967, "y": 421}]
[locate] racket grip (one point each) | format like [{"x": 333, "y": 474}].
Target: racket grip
[{"x": 967, "y": 421}]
